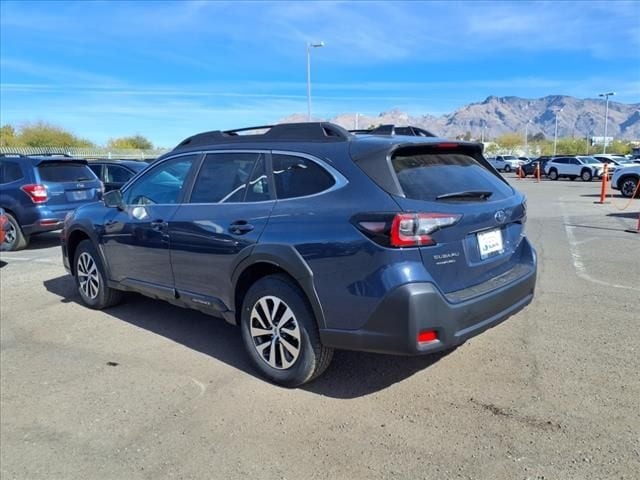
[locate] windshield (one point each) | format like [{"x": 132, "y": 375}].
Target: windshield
[
  {"x": 509, "y": 157},
  {"x": 59, "y": 172},
  {"x": 429, "y": 176}
]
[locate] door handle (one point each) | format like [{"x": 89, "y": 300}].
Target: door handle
[
  {"x": 158, "y": 225},
  {"x": 240, "y": 227}
]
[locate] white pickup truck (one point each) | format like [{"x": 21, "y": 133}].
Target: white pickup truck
[{"x": 505, "y": 163}]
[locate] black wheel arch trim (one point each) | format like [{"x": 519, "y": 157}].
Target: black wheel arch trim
[
  {"x": 95, "y": 239},
  {"x": 287, "y": 258}
]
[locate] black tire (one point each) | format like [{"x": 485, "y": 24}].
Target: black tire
[
  {"x": 628, "y": 186},
  {"x": 105, "y": 296},
  {"x": 14, "y": 238},
  {"x": 553, "y": 174},
  {"x": 586, "y": 175},
  {"x": 312, "y": 357},
  {"x": 507, "y": 168}
]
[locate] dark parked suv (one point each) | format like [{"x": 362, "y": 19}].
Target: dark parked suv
[
  {"x": 115, "y": 173},
  {"x": 37, "y": 193},
  {"x": 311, "y": 238}
]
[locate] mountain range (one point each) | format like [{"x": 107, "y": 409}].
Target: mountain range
[{"x": 500, "y": 115}]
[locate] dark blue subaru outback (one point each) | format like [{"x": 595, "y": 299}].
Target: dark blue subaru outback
[{"x": 311, "y": 239}]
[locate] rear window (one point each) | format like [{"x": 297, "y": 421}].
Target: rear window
[
  {"x": 427, "y": 176},
  {"x": 58, "y": 172}
]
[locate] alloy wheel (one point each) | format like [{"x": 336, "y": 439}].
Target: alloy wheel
[
  {"x": 88, "y": 277},
  {"x": 10, "y": 234},
  {"x": 275, "y": 332},
  {"x": 628, "y": 187}
]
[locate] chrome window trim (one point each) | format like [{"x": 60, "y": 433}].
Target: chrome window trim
[{"x": 339, "y": 179}]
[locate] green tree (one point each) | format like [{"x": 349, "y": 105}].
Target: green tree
[
  {"x": 619, "y": 146},
  {"x": 43, "y": 134},
  {"x": 136, "y": 141},
  {"x": 8, "y": 137},
  {"x": 509, "y": 141},
  {"x": 538, "y": 137}
]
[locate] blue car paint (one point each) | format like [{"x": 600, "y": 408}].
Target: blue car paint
[{"x": 196, "y": 260}]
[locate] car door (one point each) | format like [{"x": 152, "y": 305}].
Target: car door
[
  {"x": 228, "y": 208},
  {"x": 136, "y": 238},
  {"x": 115, "y": 176}
]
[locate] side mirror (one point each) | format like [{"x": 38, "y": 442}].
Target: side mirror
[{"x": 113, "y": 199}]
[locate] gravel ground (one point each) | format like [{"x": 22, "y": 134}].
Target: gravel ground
[{"x": 148, "y": 390}]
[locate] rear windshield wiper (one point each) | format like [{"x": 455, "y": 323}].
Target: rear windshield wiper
[{"x": 471, "y": 194}]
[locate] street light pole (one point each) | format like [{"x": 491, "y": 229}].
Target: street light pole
[
  {"x": 555, "y": 135},
  {"x": 606, "y": 118},
  {"x": 526, "y": 137},
  {"x": 310, "y": 45}
]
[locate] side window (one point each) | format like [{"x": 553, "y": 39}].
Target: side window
[
  {"x": 258, "y": 188},
  {"x": 97, "y": 169},
  {"x": 223, "y": 177},
  {"x": 117, "y": 174},
  {"x": 561, "y": 161},
  {"x": 575, "y": 161},
  {"x": 162, "y": 184},
  {"x": 299, "y": 177},
  {"x": 10, "y": 172}
]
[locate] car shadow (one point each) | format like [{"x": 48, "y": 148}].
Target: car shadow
[
  {"x": 44, "y": 240},
  {"x": 350, "y": 375},
  {"x": 633, "y": 215}
]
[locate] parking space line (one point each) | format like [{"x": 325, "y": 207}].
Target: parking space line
[{"x": 579, "y": 266}]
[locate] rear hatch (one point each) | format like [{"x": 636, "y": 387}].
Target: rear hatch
[
  {"x": 69, "y": 183},
  {"x": 483, "y": 242}
]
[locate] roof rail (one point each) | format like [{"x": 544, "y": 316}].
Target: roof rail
[
  {"x": 12, "y": 155},
  {"x": 391, "y": 129},
  {"x": 311, "y": 132}
]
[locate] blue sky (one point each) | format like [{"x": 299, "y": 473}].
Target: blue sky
[{"x": 169, "y": 69}]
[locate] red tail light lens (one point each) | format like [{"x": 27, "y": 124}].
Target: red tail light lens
[
  {"x": 427, "y": 336},
  {"x": 414, "y": 229},
  {"x": 37, "y": 193}
]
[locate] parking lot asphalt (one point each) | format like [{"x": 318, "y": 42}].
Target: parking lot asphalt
[{"x": 146, "y": 390}]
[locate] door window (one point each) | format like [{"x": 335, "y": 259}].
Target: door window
[
  {"x": 162, "y": 184},
  {"x": 223, "y": 178},
  {"x": 97, "y": 169},
  {"x": 299, "y": 177},
  {"x": 117, "y": 174},
  {"x": 10, "y": 172}
]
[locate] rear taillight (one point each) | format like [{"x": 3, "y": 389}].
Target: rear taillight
[
  {"x": 37, "y": 193},
  {"x": 414, "y": 229},
  {"x": 403, "y": 229}
]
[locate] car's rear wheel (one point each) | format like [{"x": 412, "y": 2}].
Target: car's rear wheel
[
  {"x": 507, "y": 168},
  {"x": 553, "y": 174},
  {"x": 280, "y": 333},
  {"x": 14, "y": 237},
  {"x": 628, "y": 186},
  {"x": 91, "y": 280},
  {"x": 586, "y": 175}
]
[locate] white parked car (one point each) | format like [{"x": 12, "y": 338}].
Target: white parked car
[
  {"x": 626, "y": 180},
  {"x": 573, "y": 167},
  {"x": 613, "y": 160},
  {"x": 505, "y": 163}
]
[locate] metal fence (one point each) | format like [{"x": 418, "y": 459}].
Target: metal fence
[{"x": 89, "y": 153}]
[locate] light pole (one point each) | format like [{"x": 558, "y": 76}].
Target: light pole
[
  {"x": 555, "y": 135},
  {"x": 606, "y": 117},
  {"x": 526, "y": 137},
  {"x": 310, "y": 45}
]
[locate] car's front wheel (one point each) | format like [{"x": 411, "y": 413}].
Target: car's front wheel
[
  {"x": 280, "y": 333},
  {"x": 553, "y": 174},
  {"x": 628, "y": 186},
  {"x": 507, "y": 168},
  {"x": 586, "y": 175},
  {"x": 91, "y": 280}
]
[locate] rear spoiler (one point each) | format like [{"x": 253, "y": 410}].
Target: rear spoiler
[{"x": 40, "y": 160}]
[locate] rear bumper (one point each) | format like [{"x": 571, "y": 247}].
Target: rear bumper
[
  {"x": 416, "y": 307},
  {"x": 42, "y": 219}
]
